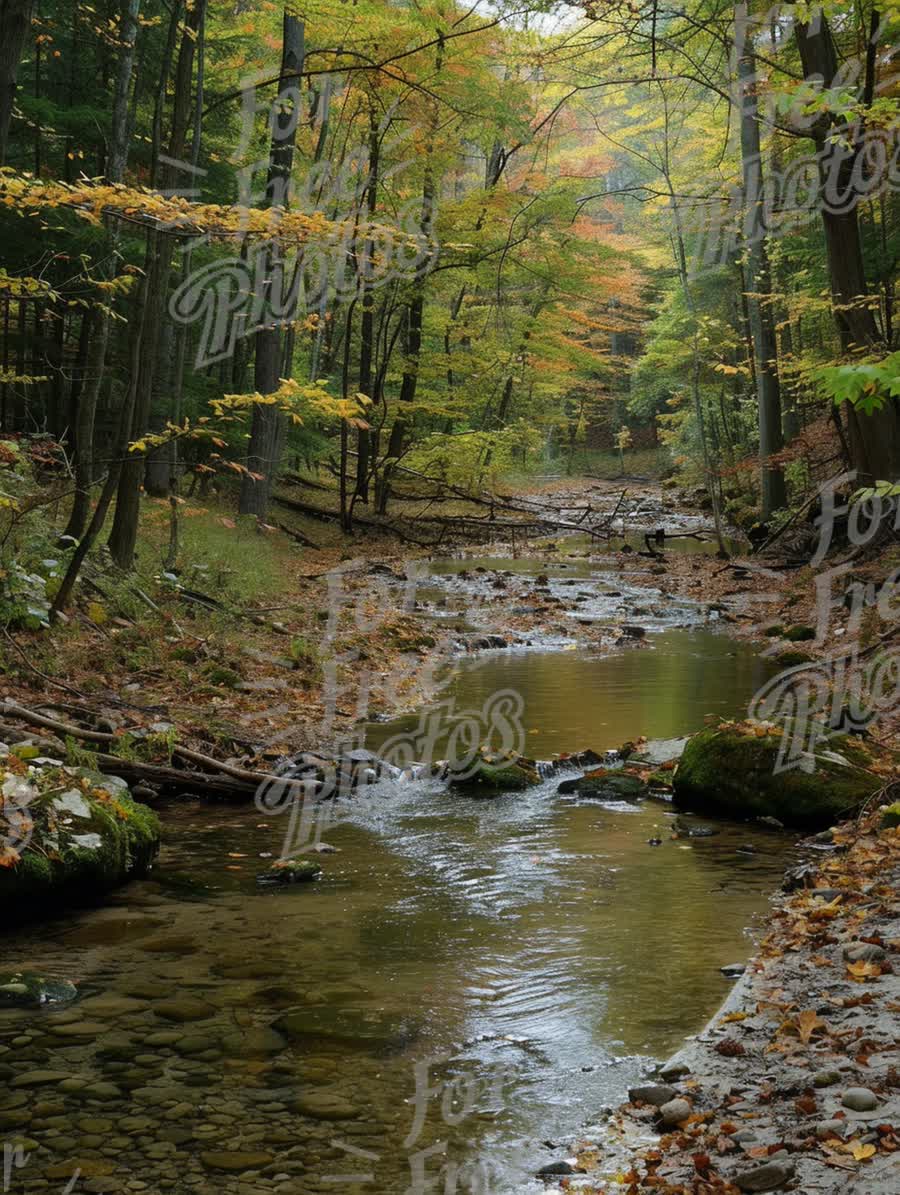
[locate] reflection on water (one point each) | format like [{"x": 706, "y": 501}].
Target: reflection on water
[
  {"x": 573, "y": 700},
  {"x": 231, "y": 1039}
]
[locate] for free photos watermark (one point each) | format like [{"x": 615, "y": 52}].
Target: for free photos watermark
[
  {"x": 465, "y": 739},
  {"x": 853, "y": 685},
  {"x": 857, "y": 161},
  {"x": 456, "y": 1099},
  {"x": 16, "y": 1157},
  {"x": 234, "y": 297}
]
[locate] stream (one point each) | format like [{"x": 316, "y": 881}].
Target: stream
[{"x": 518, "y": 962}]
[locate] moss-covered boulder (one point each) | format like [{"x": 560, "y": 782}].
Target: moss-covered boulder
[
  {"x": 730, "y": 770},
  {"x": 496, "y": 774},
  {"x": 68, "y": 834}
]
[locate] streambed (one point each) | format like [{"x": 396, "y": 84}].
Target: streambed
[{"x": 233, "y": 1039}]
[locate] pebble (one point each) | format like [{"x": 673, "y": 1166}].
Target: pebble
[
  {"x": 864, "y": 952},
  {"x": 768, "y": 1177},
  {"x": 674, "y": 1112},
  {"x": 860, "y": 1099},
  {"x": 826, "y": 1078},
  {"x": 733, "y": 970},
  {"x": 653, "y": 1093},
  {"x": 831, "y": 1128}
]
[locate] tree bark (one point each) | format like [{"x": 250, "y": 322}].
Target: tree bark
[
  {"x": 874, "y": 439},
  {"x": 762, "y": 322},
  {"x": 117, "y": 157},
  {"x": 266, "y": 433},
  {"x": 15, "y": 24}
]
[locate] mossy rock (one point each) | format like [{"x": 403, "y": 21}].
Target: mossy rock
[
  {"x": 89, "y": 837},
  {"x": 790, "y": 659},
  {"x": 492, "y": 776},
  {"x": 890, "y": 816},
  {"x": 290, "y": 871},
  {"x": 729, "y": 771},
  {"x": 800, "y": 634},
  {"x": 28, "y": 989},
  {"x": 604, "y": 784}
]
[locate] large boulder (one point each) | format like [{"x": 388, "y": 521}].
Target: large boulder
[
  {"x": 68, "y": 834},
  {"x": 730, "y": 770}
]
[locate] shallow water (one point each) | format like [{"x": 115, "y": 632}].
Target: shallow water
[{"x": 538, "y": 948}]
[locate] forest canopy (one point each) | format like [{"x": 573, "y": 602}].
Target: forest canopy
[{"x": 375, "y": 240}]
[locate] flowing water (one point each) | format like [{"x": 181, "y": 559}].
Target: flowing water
[{"x": 519, "y": 961}]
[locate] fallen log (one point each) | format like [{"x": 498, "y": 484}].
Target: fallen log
[{"x": 217, "y": 777}]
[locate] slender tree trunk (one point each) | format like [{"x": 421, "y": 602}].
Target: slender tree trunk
[
  {"x": 267, "y": 427},
  {"x": 118, "y": 141},
  {"x": 123, "y": 534},
  {"x": 367, "y": 320},
  {"x": 762, "y": 322}
]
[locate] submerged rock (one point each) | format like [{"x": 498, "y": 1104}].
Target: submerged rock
[
  {"x": 27, "y": 989},
  {"x": 364, "y": 1028},
  {"x": 290, "y": 871},
  {"x": 605, "y": 784},
  {"x": 730, "y": 770}
]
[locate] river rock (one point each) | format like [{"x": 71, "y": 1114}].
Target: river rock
[
  {"x": 604, "y": 784},
  {"x": 234, "y": 1160},
  {"x": 556, "y": 1170},
  {"x": 860, "y": 1099},
  {"x": 831, "y": 1128},
  {"x": 674, "y": 1112},
  {"x": 731, "y": 772},
  {"x": 767, "y": 1177},
  {"x": 369, "y": 1028},
  {"x": 183, "y": 1008},
  {"x": 826, "y": 1078},
  {"x": 864, "y": 952},
  {"x": 496, "y": 774},
  {"x": 26, "y": 989},
  {"x": 653, "y": 1093}
]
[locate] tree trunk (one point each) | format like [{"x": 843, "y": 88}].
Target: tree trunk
[
  {"x": 118, "y": 141},
  {"x": 267, "y": 428},
  {"x": 367, "y": 320},
  {"x": 762, "y": 322},
  {"x": 874, "y": 439},
  {"x": 15, "y": 25},
  {"x": 123, "y": 535}
]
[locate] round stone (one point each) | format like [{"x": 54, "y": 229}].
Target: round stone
[{"x": 860, "y": 1099}]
